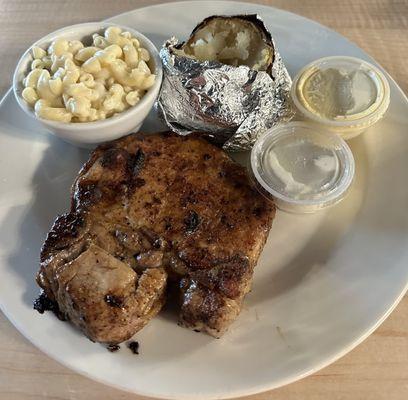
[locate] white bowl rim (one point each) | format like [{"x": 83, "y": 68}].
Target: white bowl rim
[{"x": 85, "y": 126}]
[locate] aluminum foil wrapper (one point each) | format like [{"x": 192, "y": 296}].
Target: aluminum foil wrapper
[{"x": 232, "y": 106}]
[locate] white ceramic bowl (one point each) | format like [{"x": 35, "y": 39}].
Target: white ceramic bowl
[{"x": 88, "y": 134}]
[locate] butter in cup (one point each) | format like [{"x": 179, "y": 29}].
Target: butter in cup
[{"x": 345, "y": 95}]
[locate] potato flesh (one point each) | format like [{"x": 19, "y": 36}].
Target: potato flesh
[{"x": 233, "y": 42}]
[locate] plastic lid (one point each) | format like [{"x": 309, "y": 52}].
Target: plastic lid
[
  {"x": 344, "y": 93},
  {"x": 302, "y": 168}
]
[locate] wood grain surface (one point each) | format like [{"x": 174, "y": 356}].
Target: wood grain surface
[{"x": 378, "y": 368}]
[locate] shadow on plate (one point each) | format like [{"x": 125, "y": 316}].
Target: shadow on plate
[{"x": 51, "y": 184}]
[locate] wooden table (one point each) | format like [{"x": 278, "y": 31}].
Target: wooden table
[{"x": 378, "y": 368}]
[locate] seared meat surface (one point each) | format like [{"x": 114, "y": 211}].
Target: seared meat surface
[{"x": 148, "y": 209}]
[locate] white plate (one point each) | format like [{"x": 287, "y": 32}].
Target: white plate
[{"x": 323, "y": 284}]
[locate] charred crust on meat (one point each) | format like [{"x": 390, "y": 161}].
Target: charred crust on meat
[
  {"x": 258, "y": 211},
  {"x": 133, "y": 346},
  {"x": 167, "y": 223},
  {"x": 88, "y": 194},
  {"x": 189, "y": 197},
  {"x": 137, "y": 162},
  {"x": 105, "y": 146},
  {"x": 43, "y": 303},
  {"x": 113, "y": 158},
  {"x": 191, "y": 222},
  {"x": 156, "y": 200},
  {"x": 225, "y": 276},
  {"x": 113, "y": 347},
  {"x": 65, "y": 229},
  {"x": 113, "y": 301},
  {"x": 138, "y": 182},
  {"x": 158, "y": 243},
  {"x": 225, "y": 221}
]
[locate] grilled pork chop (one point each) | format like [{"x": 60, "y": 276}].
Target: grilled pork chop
[{"x": 147, "y": 210}]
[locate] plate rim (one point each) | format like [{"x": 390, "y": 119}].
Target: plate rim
[{"x": 256, "y": 388}]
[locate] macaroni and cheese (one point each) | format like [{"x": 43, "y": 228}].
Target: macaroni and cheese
[{"x": 71, "y": 82}]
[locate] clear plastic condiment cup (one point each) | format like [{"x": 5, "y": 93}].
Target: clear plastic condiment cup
[
  {"x": 345, "y": 95},
  {"x": 302, "y": 168}
]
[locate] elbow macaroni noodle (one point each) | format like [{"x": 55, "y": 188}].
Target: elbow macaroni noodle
[{"x": 73, "y": 83}]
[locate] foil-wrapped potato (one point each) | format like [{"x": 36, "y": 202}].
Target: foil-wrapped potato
[{"x": 227, "y": 81}]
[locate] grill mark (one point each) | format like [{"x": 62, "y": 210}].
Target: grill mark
[{"x": 137, "y": 162}]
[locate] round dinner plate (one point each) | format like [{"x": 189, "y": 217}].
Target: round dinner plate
[{"x": 324, "y": 281}]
